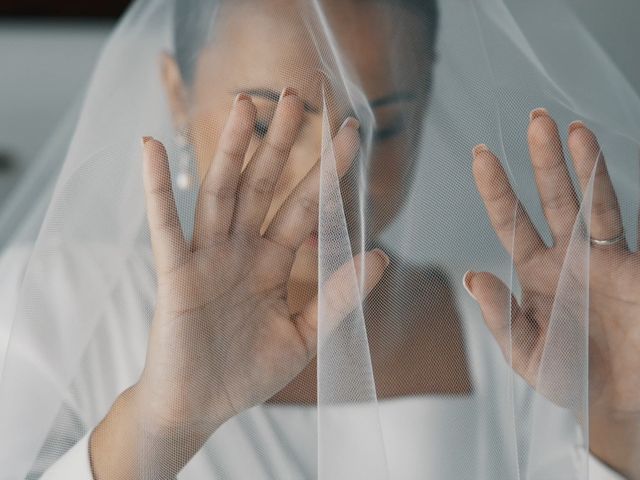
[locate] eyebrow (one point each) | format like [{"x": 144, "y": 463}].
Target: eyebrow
[{"x": 272, "y": 95}]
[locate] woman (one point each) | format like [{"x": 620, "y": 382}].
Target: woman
[{"x": 265, "y": 99}]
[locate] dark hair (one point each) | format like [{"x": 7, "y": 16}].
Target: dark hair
[{"x": 193, "y": 19}]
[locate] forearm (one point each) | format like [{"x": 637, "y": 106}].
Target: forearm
[
  {"x": 617, "y": 443},
  {"x": 128, "y": 445}
]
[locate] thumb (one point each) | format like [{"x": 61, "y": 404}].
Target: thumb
[
  {"x": 516, "y": 334},
  {"x": 340, "y": 295}
]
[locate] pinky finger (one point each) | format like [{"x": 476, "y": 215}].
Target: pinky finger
[{"x": 166, "y": 235}]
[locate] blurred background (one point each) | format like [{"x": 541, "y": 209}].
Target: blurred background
[{"x": 48, "y": 50}]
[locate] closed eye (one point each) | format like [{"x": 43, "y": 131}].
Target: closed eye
[{"x": 386, "y": 133}]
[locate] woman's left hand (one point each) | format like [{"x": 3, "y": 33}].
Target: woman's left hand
[{"x": 613, "y": 289}]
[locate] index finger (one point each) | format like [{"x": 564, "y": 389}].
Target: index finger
[{"x": 167, "y": 240}]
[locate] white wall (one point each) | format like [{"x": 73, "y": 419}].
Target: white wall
[{"x": 43, "y": 66}]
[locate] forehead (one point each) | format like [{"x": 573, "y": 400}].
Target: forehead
[{"x": 270, "y": 43}]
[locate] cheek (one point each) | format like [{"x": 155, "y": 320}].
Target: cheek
[
  {"x": 303, "y": 158},
  {"x": 389, "y": 174}
]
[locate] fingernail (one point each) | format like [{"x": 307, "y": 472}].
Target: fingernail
[
  {"x": 383, "y": 256},
  {"x": 538, "y": 112},
  {"x": 351, "y": 123},
  {"x": 478, "y": 149},
  {"x": 145, "y": 140},
  {"x": 466, "y": 283},
  {"x": 576, "y": 124},
  {"x": 239, "y": 97},
  {"x": 287, "y": 92}
]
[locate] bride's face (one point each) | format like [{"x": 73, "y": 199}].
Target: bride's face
[{"x": 259, "y": 49}]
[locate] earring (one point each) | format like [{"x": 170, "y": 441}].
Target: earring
[{"x": 184, "y": 178}]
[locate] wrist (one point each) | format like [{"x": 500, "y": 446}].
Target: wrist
[
  {"x": 166, "y": 416},
  {"x": 135, "y": 441}
]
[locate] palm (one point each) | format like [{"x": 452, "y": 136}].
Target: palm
[
  {"x": 220, "y": 290},
  {"x": 614, "y": 310},
  {"x": 551, "y": 295}
]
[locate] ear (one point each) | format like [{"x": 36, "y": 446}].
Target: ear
[{"x": 174, "y": 89}]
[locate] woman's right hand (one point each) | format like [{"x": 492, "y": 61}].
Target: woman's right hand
[{"x": 223, "y": 337}]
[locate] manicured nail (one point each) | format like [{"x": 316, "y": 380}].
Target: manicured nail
[
  {"x": 466, "y": 283},
  {"x": 287, "y": 92},
  {"x": 383, "y": 256},
  {"x": 576, "y": 125},
  {"x": 538, "y": 112},
  {"x": 239, "y": 97},
  {"x": 351, "y": 123},
  {"x": 478, "y": 149}
]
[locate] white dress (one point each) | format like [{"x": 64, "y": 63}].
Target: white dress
[{"x": 426, "y": 437}]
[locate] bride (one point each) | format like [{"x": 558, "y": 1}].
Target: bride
[{"x": 293, "y": 306}]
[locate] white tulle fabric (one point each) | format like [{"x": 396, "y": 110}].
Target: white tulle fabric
[{"x": 78, "y": 280}]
